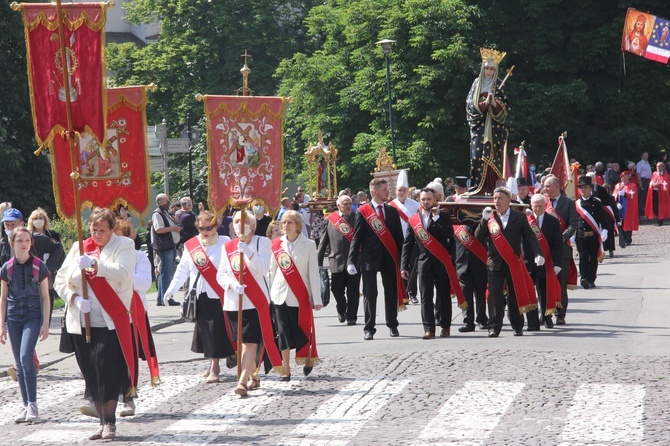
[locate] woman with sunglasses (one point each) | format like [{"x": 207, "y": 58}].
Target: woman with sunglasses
[{"x": 202, "y": 255}]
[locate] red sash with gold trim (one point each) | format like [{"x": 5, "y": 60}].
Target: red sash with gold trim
[
  {"x": 588, "y": 218},
  {"x": 380, "y": 229},
  {"x": 307, "y": 355},
  {"x": 523, "y": 284},
  {"x": 439, "y": 251},
  {"x": 114, "y": 307},
  {"x": 142, "y": 332},
  {"x": 400, "y": 211},
  {"x": 208, "y": 272},
  {"x": 342, "y": 226},
  {"x": 256, "y": 295},
  {"x": 572, "y": 268},
  {"x": 553, "y": 286},
  {"x": 470, "y": 242}
]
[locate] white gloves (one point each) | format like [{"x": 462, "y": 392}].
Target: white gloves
[
  {"x": 85, "y": 261},
  {"x": 557, "y": 269},
  {"x": 351, "y": 269},
  {"x": 83, "y": 305},
  {"x": 245, "y": 249},
  {"x": 619, "y": 206},
  {"x": 237, "y": 288},
  {"x": 603, "y": 234},
  {"x": 539, "y": 260},
  {"x": 486, "y": 213}
]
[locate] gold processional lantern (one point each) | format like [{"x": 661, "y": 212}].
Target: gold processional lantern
[{"x": 322, "y": 165}]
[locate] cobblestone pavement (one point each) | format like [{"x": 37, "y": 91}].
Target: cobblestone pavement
[{"x": 561, "y": 387}]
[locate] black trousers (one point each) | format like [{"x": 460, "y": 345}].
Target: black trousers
[
  {"x": 497, "y": 280},
  {"x": 346, "y": 291},
  {"x": 370, "y": 298},
  {"x": 411, "y": 284},
  {"x": 627, "y": 236},
  {"x": 437, "y": 312},
  {"x": 588, "y": 257},
  {"x": 533, "y": 317},
  {"x": 473, "y": 284},
  {"x": 563, "y": 279}
]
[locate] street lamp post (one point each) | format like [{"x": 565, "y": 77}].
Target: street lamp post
[
  {"x": 190, "y": 149},
  {"x": 386, "y": 48}
]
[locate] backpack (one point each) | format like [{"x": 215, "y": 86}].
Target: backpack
[{"x": 35, "y": 270}]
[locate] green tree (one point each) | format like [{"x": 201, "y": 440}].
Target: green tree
[{"x": 26, "y": 178}]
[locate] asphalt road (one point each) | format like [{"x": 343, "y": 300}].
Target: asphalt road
[{"x": 601, "y": 379}]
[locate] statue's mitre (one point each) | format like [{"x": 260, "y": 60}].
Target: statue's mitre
[{"x": 491, "y": 54}]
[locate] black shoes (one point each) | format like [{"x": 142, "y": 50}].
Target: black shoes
[
  {"x": 532, "y": 329},
  {"x": 560, "y": 320},
  {"x": 160, "y": 304},
  {"x": 351, "y": 322},
  {"x": 285, "y": 378},
  {"x": 466, "y": 328},
  {"x": 307, "y": 370},
  {"x": 585, "y": 283},
  {"x": 394, "y": 332},
  {"x": 519, "y": 332},
  {"x": 414, "y": 300},
  {"x": 548, "y": 323},
  {"x": 485, "y": 326},
  {"x": 173, "y": 303},
  {"x": 341, "y": 318},
  {"x": 592, "y": 284},
  {"x": 368, "y": 336},
  {"x": 493, "y": 333}
]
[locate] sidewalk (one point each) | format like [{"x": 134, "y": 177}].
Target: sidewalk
[{"x": 47, "y": 351}]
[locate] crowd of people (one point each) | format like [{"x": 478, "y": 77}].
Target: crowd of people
[{"x": 518, "y": 257}]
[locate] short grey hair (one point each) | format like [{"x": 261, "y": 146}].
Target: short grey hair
[
  {"x": 341, "y": 198},
  {"x": 538, "y": 197},
  {"x": 437, "y": 187},
  {"x": 503, "y": 190}
]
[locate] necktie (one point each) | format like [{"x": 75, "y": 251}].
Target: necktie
[
  {"x": 553, "y": 202},
  {"x": 380, "y": 212}
]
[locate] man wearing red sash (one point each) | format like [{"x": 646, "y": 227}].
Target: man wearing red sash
[
  {"x": 551, "y": 241},
  {"x": 406, "y": 208},
  {"x": 563, "y": 208},
  {"x": 658, "y": 201},
  {"x": 504, "y": 230},
  {"x": 431, "y": 227},
  {"x": 256, "y": 320},
  {"x": 627, "y": 195},
  {"x": 590, "y": 232},
  {"x": 378, "y": 240},
  {"x": 337, "y": 240}
]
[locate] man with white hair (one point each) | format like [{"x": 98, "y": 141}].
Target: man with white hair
[{"x": 406, "y": 208}]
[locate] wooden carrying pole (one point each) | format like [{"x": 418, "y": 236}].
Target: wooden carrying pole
[{"x": 70, "y": 136}]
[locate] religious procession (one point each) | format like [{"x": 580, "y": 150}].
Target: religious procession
[{"x": 252, "y": 265}]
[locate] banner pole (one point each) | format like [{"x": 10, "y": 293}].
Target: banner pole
[{"x": 70, "y": 135}]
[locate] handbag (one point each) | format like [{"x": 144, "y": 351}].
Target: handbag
[
  {"x": 188, "y": 311},
  {"x": 325, "y": 286}
]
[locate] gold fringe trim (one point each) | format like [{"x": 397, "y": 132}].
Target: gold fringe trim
[
  {"x": 132, "y": 392},
  {"x": 527, "y": 308},
  {"x": 279, "y": 369},
  {"x": 309, "y": 362},
  {"x": 244, "y": 110},
  {"x": 84, "y": 18},
  {"x": 572, "y": 287},
  {"x": 402, "y": 307},
  {"x": 463, "y": 306},
  {"x": 155, "y": 381}
]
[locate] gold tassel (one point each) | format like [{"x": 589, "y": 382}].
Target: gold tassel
[
  {"x": 132, "y": 393},
  {"x": 155, "y": 381}
]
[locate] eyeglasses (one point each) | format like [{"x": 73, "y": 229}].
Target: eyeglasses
[
  {"x": 301, "y": 190},
  {"x": 207, "y": 229},
  {"x": 185, "y": 203}
]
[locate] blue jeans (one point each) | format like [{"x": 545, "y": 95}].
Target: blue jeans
[
  {"x": 168, "y": 258},
  {"x": 23, "y": 325}
]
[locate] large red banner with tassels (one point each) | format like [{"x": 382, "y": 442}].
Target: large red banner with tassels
[
  {"x": 116, "y": 173},
  {"x": 83, "y": 25},
  {"x": 245, "y": 142}
]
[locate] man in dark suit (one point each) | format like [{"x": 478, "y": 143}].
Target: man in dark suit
[
  {"x": 375, "y": 257},
  {"x": 565, "y": 209},
  {"x": 336, "y": 241},
  {"x": 515, "y": 230},
  {"x": 551, "y": 230},
  {"x": 432, "y": 272}
]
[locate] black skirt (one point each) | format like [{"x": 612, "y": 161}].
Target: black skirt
[
  {"x": 289, "y": 333},
  {"x": 152, "y": 346},
  {"x": 102, "y": 364},
  {"x": 210, "y": 336},
  {"x": 251, "y": 326}
]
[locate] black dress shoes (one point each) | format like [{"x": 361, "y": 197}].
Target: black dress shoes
[
  {"x": 351, "y": 322},
  {"x": 341, "y": 318},
  {"x": 368, "y": 336},
  {"x": 414, "y": 300},
  {"x": 306, "y": 370},
  {"x": 519, "y": 332},
  {"x": 560, "y": 320},
  {"x": 466, "y": 328},
  {"x": 532, "y": 329},
  {"x": 485, "y": 326},
  {"x": 285, "y": 378},
  {"x": 394, "y": 332},
  {"x": 585, "y": 283},
  {"x": 173, "y": 303},
  {"x": 548, "y": 323},
  {"x": 493, "y": 333}
]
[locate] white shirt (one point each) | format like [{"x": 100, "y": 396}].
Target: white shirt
[
  {"x": 375, "y": 206},
  {"x": 505, "y": 218},
  {"x": 409, "y": 208},
  {"x": 539, "y": 219},
  {"x": 643, "y": 169}
]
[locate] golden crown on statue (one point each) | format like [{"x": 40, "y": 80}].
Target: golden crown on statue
[{"x": 491, "y": 54}]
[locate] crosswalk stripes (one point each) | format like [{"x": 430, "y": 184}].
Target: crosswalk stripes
[
  {"x": 79, "y": 427},
  {"x": 605, "y": 413},
  {"x": 471, "y": 414},
  {"x": 346, "y": 413},
  {"x": 474, "y": 414}
]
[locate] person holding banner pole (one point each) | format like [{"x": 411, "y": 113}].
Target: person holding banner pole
[{"x": 295, "y": 289}]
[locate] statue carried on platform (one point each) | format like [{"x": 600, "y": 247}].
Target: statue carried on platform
[{"x": 487, "y": 107}]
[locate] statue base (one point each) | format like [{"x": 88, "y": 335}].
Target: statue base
[{"x": 468, "y": 209}]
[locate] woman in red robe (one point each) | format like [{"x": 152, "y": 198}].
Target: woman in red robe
[{"x": 658, "y": 202}]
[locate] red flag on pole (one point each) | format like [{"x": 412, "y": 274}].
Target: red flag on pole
[
  {"x": 245, "y": 149},
  {"x": 83, "y": 25},
  {"x": 561, "y": 165},
  {"x": 113, "y": 174}
]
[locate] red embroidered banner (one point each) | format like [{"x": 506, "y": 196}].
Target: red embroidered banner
[
  {"x": 83, "y": 27},
  {"x": 117, "y": 173},
  {"x": 245, "y": 149}
]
